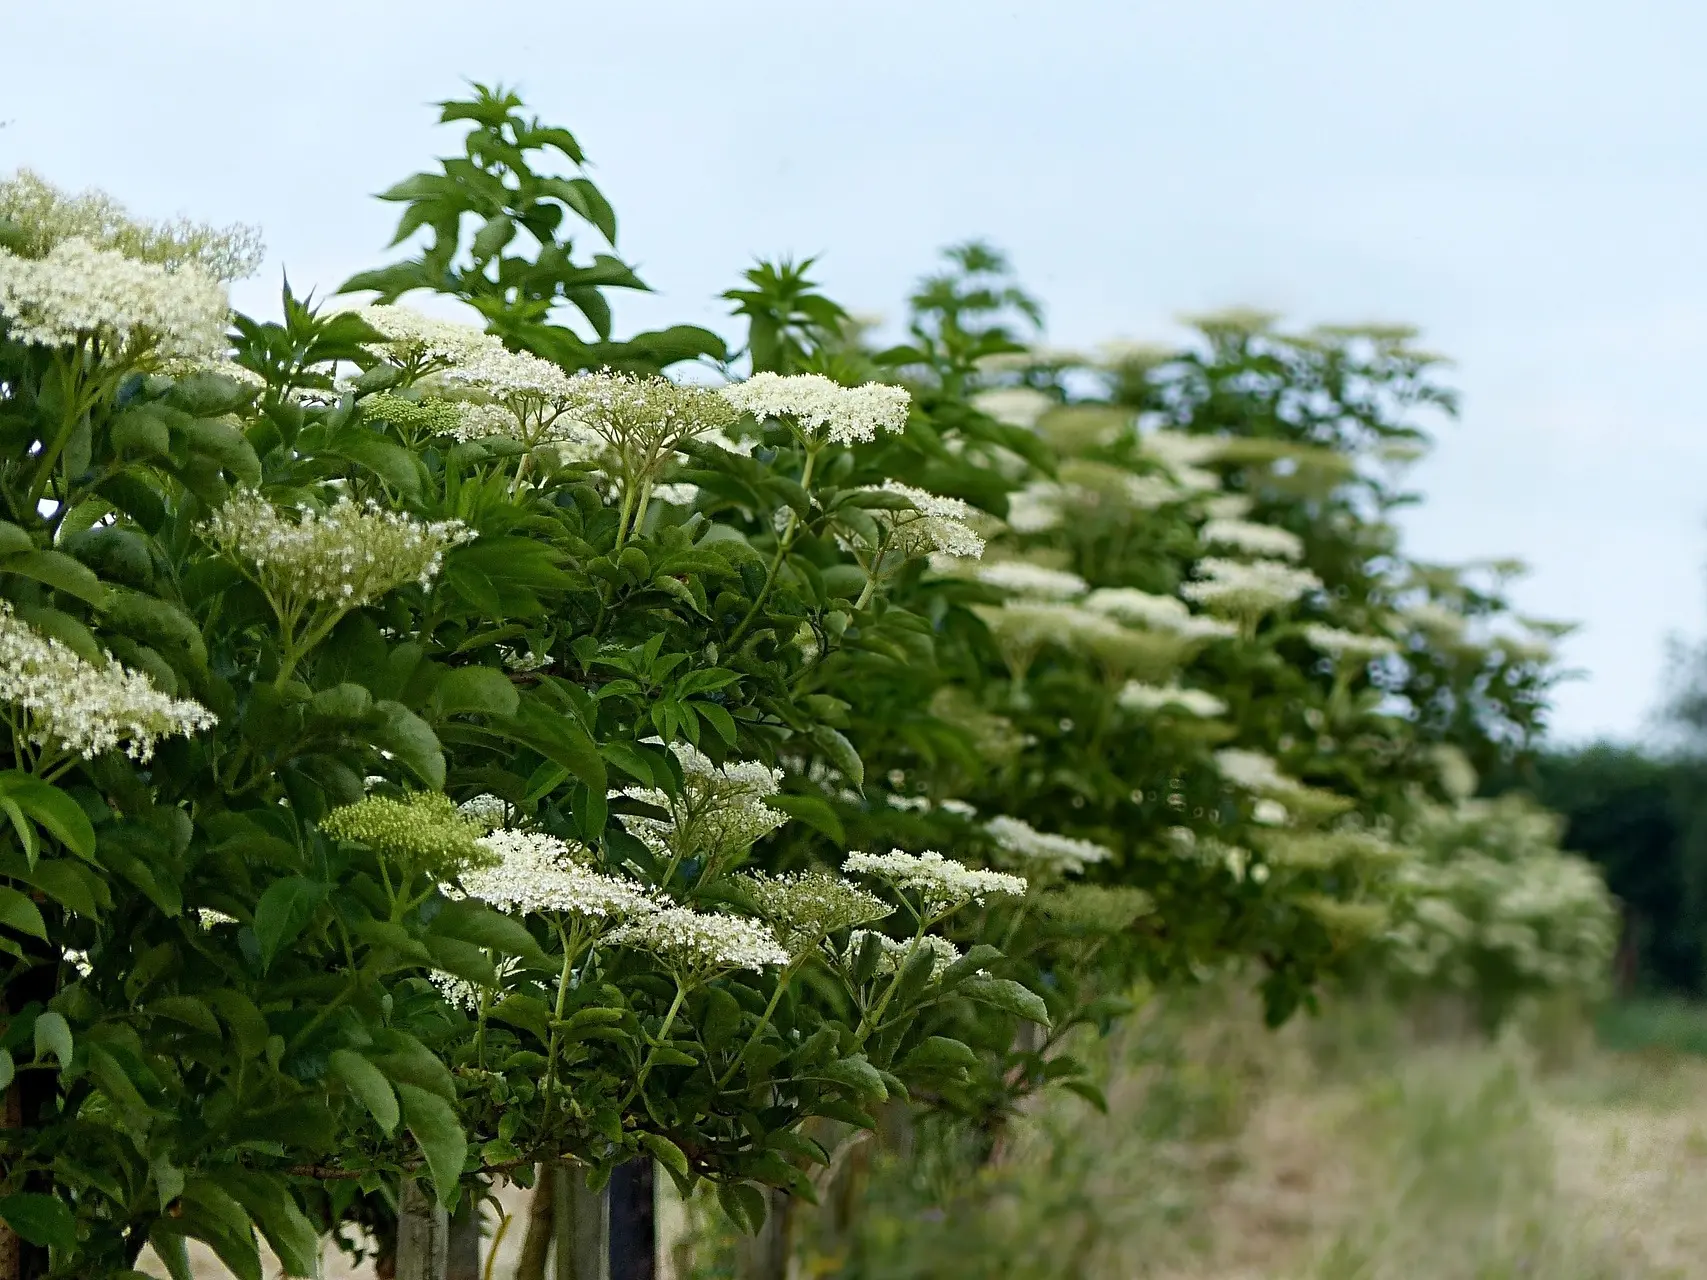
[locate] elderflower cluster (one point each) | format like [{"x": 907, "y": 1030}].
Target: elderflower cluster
[
  {"x": 1178, "y": 451},
  {"x": 1237, "y": 587},
  {"x": 1095, "y": 908},
  {"x": 1138, "y": 696},
  {"x": 893, "y": 953},
  {"x": 411, "y": 338},
  {"x": 42, "y": 216},
  {"x": 485, "y": 809},
  {"x": 417, "y": 418},
  {"x": 466, "y": 995},
  {"x": 1253, "y": 771},
  {"x": 73, "y": 705},
  {"x": 1035, "y": 508},
  {"x": 805, "y": 908},
  {"x": 424, "y": 827},
  {"x": 720, "y": 809},
  {"x": 934, "y": 523},
  {"x": 527, "y": 872},
  {"x": 1348, "y": 644},
  {"x": 349, "y": 554},
  {"x": 79, "y": 292},
  {"x": 697, "y": 944},
  {"x": 821, "y": 409},
  {"x": 941, "y": 883},
  {"x": 1059, "y": 854},
  {"x": 1015, "y": 406},
  {"x": 1033, "y": 580},
  {"x": 1253, "y": 538},
  {"x": 1141, "y": 607}
]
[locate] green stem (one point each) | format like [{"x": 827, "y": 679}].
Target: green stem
[
  {"x": 663, "y": 1035},
  {"x": 562, "y": 999},
  {"x": 784, "y": 542},
  {"x": 764, "y": 1021}
]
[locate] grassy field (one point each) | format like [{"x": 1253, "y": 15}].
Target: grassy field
[{"x": 1359, "y": 1145}]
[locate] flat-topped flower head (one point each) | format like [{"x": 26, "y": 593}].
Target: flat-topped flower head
[
  {"x": 79, "y": 293},
  {"x": 466, "y": 995},
  {"x": 348, "y": 554},
  {"x": 695, "y": 945},
  {"x": 530, "y": 873},
  {"x": 941, "y": 883},
  {"x": 1349, "y": 645},
  {"x": 1140, "y": 607},
  {"x": 425, "y": 828},
  {"x": 1033, "y": 581},
  {"x": 894, "y": 953},
  {"x": 1179, "y": 451},
  {"x": 1254, "y": 771},
  {"x": 719, "y": 811},
  {"x": 806, "y": 907},
  {"x": 1055, "y": 854},
  {"x": 423, "y": 343},
  {"x": 1016, "y": 406},
  {"x": 1253, "y": 539},
  {"x": 68, "y": 704},
  {"x": 42, "y": 216},
  {"x": 1248, "y": 590},
  {"x": 932, "y": 524},
  {"x": 820, "y": 409},
  {"x": 1137, "y": 696}
]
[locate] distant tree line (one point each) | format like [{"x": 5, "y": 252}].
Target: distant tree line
[{"x": 1640, "y": 812}]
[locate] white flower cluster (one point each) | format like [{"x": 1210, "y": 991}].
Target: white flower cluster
[
  {"x": 463, "y": 993},
  {"x": 349, "y": 554},
  {"x": 696, "y": 944},
  {"x": 1035, "y": 508},
  {"x": 42, "y": 216},
  {"x": 76, "y": 706},
  {"x": 1248, "y": 589},
  {"x": 1435, "y": 618},
  {"x": 1488, "y": 903},
  {"x": 1138, "y": 696},
  {"x": 1059, "y": 854},
  {"x": 1032, "y": 580},
  {"x": 1015, "y": 406},
  {"x": 935, "y": 524},
  {"x": 1132, "y": 605},
  {"x": 531, "y": 872},
  {"x": 1348, "y": 644},
  {"x": 720, "y": 809},
  {"x": 1228, "y": 506},
  {"x": 412, "y": 338},
  {"x": 79, "y": 292},
  {"x": 820, "y": 408},
  {"x": 940, "y": 882},
  {"x": 1253, "y": 538},
  {"x": 807, "y": 907},
  {"x": 894, "y": 953},
  {"x": 1253, "y": 771},
  {"x": 486, "y": 809}
]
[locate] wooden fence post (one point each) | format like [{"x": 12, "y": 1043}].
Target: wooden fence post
[{"x": 423, "y": 1235}]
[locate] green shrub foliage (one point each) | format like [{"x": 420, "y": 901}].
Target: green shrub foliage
[{"x": 438, "y": 748}]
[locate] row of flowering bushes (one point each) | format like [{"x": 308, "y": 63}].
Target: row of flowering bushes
[{"x": 443, "y": 751}]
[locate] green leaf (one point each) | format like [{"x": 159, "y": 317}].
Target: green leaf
[
  {"x": 857, "y": 1074},
  {"x": 1089, "y": 1092},
  {"x": 8, "y": 1068},
  {"x": 187, "y": 1010},
  {"x": 476, "y": 689},
  {"x": 60, "y": 572},
  {"x": 71, "y": 884},
  {"x": 42, "y": 1220},
  {"x": 226, "y": 445},
  {"x": 841, "y": 754},
  {"x": 744, "y": 1204},
  {"x": 57, "y": 813},
  {"x": 368, "y": 1084},
  {"x": 412, "y": 740},
  {"x": 1007, "y": 995},
  {"x": 434, "y": 1125},
  {"x": 18, "y": 912},
  {"x": 248, "y": 1027},
  {"x": 213, "y": 1215},
  {"x": 814, "y": 812},
  {"x": 171, "y": 1246},
  {"x": 287, "y": 1229},
  {"x": 471, "y": 920},
  {"x": 667, "y": 1153},
  {"x": 284, "y": 912},
  {"x": 939, "y": 1053},
  {"x": 168, "y": 1180}
]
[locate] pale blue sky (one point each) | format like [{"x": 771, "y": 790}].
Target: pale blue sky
[{"x": 1525, "y": 180}]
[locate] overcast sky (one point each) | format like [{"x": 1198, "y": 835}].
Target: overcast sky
[{"x": 1524, "y": 180}]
